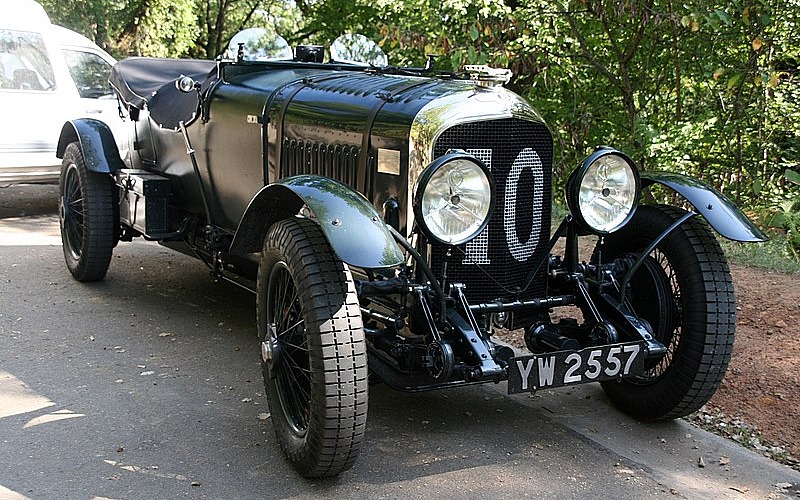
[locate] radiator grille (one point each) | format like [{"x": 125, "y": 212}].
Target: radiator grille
[{"x": 497, "y": 263}]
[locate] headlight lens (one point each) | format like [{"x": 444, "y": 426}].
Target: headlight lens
[
  {"x": 604, "y": 192},
  {"x": 453, "y": 199}
]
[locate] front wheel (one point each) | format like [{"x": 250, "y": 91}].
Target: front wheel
[
  {"x": 685, "y": 291},
  {"x": 313, "y": 353},
  {"x": 87, "y": 217}
]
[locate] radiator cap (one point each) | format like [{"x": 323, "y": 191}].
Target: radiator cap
[{"x": 487, "y": 76}]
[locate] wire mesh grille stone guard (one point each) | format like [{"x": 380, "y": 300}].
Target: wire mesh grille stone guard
[{"x": 520, "y": 156}]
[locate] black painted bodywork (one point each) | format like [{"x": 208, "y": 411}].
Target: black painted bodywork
[
  {"x": 253, "y": 124},
  {"x": 389, "y": 165},
  {"x": 243, "y": 145}
]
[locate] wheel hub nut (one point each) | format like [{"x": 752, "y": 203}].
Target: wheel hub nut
[{"x": 267, "y": 349}]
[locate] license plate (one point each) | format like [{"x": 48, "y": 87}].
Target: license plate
[{"x": 561, "y": 368}]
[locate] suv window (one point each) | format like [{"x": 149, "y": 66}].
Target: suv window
[
  {"x": 90, "y": 73},
  {"x": 24, "y": 64}
]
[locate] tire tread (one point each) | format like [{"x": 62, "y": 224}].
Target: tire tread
[
  {"x": 99, "y": 219},
  {"x": 337, "y": 351}
]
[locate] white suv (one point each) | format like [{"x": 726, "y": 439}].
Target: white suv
[{"x": 48, "y": 75}]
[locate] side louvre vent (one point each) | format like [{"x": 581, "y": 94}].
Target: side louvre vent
[{"x": 304, "y": 158}]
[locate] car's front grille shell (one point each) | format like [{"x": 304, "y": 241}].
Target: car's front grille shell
[{"x": 496, "y": 265}]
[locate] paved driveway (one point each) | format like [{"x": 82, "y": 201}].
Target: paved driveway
[{"x": 147, "y": 385}]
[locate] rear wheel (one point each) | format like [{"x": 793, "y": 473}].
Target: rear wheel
[
  {"x": 312, "y": 348},
  {"x": 87, "y": 217},
  {"x": 685, "y": 291}
]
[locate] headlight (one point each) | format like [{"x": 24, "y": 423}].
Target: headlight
[
  {"x": 453, "y": 198},
  {"x": 603, "y": 192}
]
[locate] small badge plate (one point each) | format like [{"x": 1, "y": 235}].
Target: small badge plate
[{"x": 389, "y": 161}]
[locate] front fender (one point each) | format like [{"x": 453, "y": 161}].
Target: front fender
[
  {"x": 100, "y": 153},
  {"x": 353, "y": 227},
  {"x": 719, "y": 211}
]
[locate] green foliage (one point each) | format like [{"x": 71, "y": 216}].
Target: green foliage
[
  {"x": 772, "y": 254},
  {"x": 707, "y": 89},
  {"x": 94, "y": 19},
  {"x": 169, "y": 28},
  {"x": 219, "y": 21},
  {"x": 160, "y": 28},
  {"x": 144, "y": 27},
  {"x": 786, "y": 217},
  {"x": 792, "y": 176}
]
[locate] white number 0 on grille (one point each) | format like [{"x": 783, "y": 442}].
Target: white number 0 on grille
[{"x": 477, "y": 250}]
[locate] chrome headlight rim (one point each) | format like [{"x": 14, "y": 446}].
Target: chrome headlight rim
[
  {"x": 579, "y": 175},
  {"x": 423, "y": 182}
]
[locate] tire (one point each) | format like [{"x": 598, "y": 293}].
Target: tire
[
  {"x": 314, "y": 358},
  {"x": 87, "y": 217},
  {"x": 685, "y": 291}
]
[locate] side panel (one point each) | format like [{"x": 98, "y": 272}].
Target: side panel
[
  {"x": 173, "y": 162},
  {"x": 321, "y": 122},
  {"x": 230, "y": 151}
]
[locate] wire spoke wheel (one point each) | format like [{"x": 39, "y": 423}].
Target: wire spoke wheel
[
  {"x": 71, "y": 212},
  {"x": 669, "y": 335},
  {"x": 291, "y": 366},
  {"x": 685, "y": 291},
  {"x": 656, "y": 297},
  {"x": 313, "y": 352}
]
